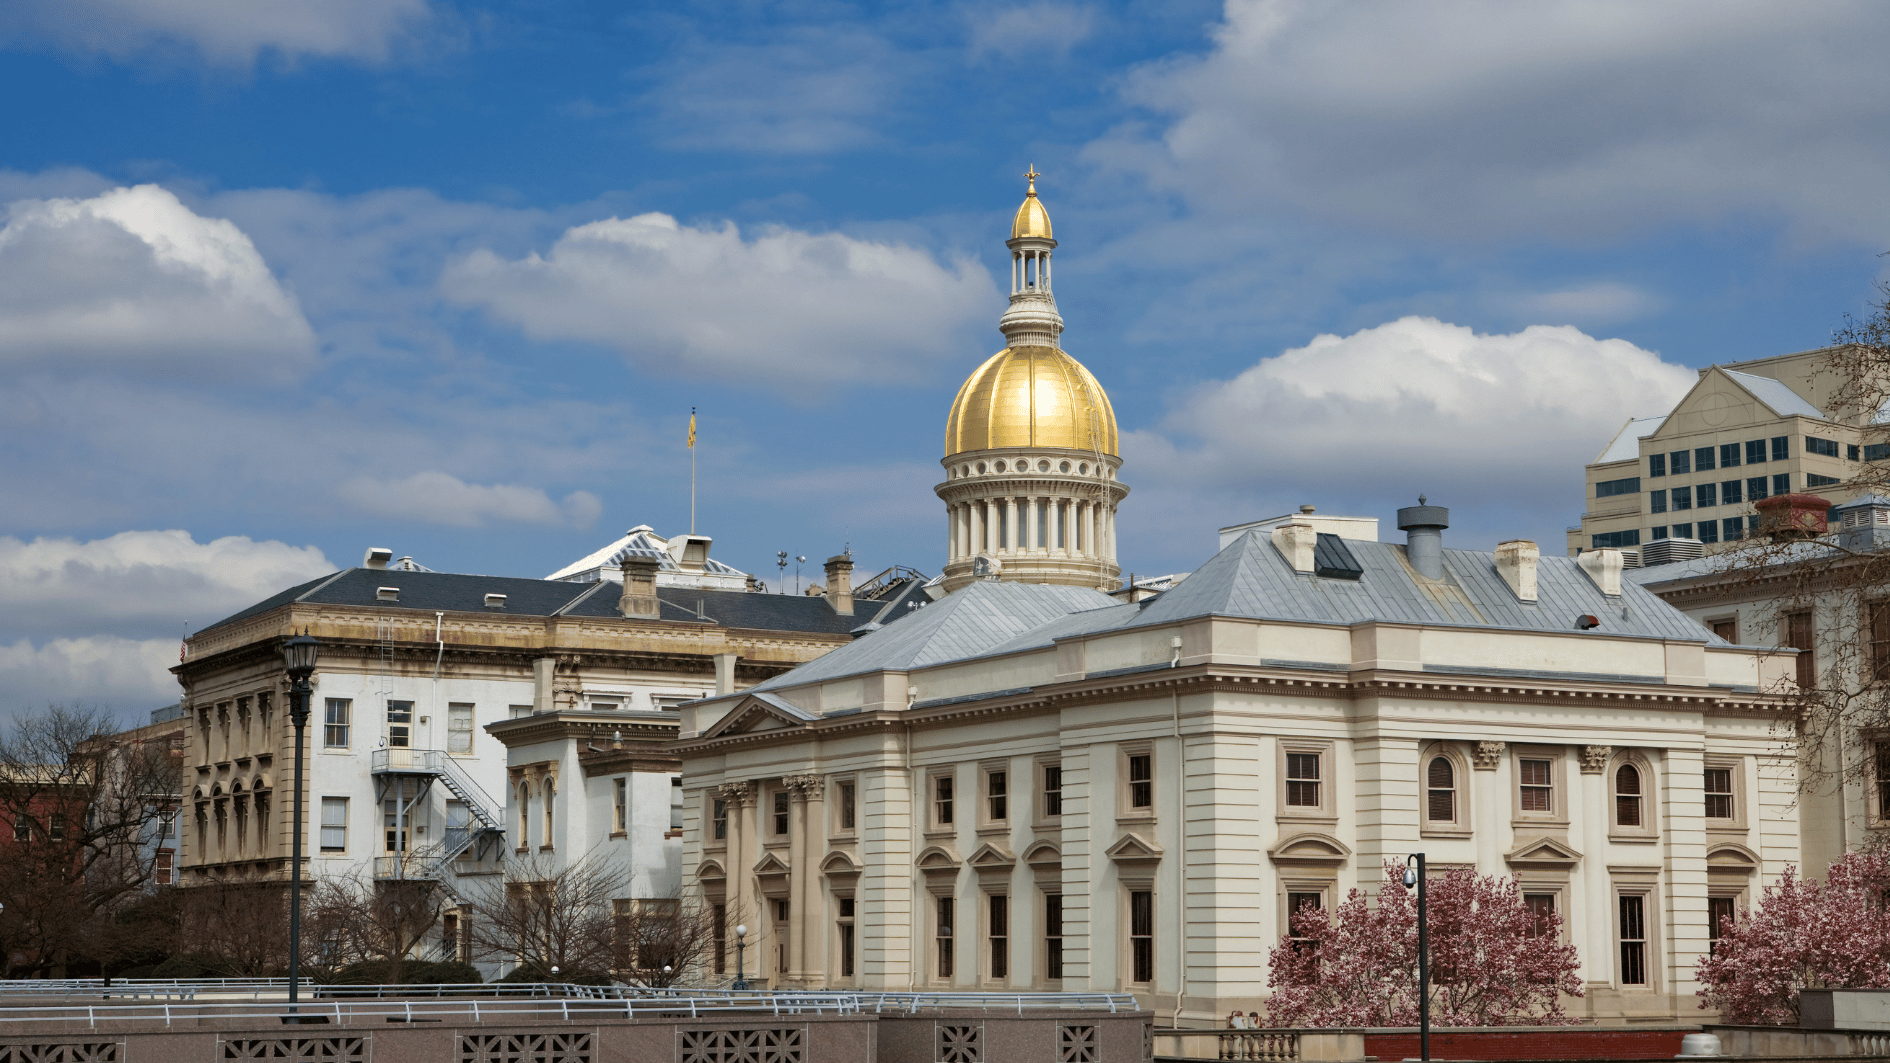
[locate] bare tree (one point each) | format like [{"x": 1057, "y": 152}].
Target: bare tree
[
  {"x": 350, "y": 920},
  {"x": 81, "y": 811},
  {"x": 662, "y": 943},
  {"x": 545, "y": 916},
  {"x": 240, "y": 929}
]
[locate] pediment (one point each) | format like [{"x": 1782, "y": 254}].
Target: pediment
[
  {"x": 1728, "y": 856},
  {"x": 1310, "y": 849},
  {"x": 770, "y": 864},
  {"x": 751, "y": 716},
  {"x": 1132, "y": 848},
  {"x": 710, "y": 870},
  {"x": 1544, "y": 853},
  {"x": 937, "y": 858},
  {"x": 991, "y": 858},
  {"x": 840, "y": 862},
  {"x": 1043, "y": 855}
]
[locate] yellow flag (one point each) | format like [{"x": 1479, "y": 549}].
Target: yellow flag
[{"x": 692, "y": 427}]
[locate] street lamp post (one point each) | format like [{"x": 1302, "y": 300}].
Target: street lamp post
[
  {"x": 1414, "y": 876},
  {"x": 741, "y": 938},
  {"x": 298, "y": 658}
]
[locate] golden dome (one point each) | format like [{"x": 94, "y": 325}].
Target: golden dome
[
  {"x": 1032, "y": 219},
  {"x": 1031, "y": 397}
]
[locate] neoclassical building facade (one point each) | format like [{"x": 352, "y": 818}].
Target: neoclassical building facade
[
  {"x": 1030, "y": 462},
  {"x": 1031, "y": 785}
]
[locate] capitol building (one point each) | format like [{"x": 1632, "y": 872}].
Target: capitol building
[{"x": 1030, "y": 784}]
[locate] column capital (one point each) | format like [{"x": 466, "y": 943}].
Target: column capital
[
  {"x": 1595, "y": 759},
  {"x": 1488, "y": 754},
  {"x": 737, "y": 794},
  {"x": 801, "y": 786}
]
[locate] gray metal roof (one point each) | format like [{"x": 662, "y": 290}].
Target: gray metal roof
[
  {"x": 962, "y": 625},
  {"x": 1626, "y": 443},
  {"x": 1776, "y": 394}
]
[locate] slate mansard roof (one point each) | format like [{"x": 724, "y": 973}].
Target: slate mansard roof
[
  {"x": 456, "y": 592},
  {"x": 1251, "y": 580}
]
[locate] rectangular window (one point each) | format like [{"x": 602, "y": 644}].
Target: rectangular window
[
  {"x": 1817, "y": 445},
  {"x": 1538, "y": 785},
  {"x": 1781, "y": 448},
  {"x": 846, "y": 937},
  {"x": 1633, "y": 940},
  {"x": 1659, "y": 532},
  {"x": 1883, "y": 780},
  {"x": 1680, "y": 462},
  {"x": 1733, "y": 528},
  {"x": 942, "y": 801},
  {"x": 780, "y": 813},
  {"x": 399, "y": 724},
  {"x": 1541, "y": 912},
  {"x": 620, "y": 805},
  {"x": 1709, "y": 531},
  {"x": 1610, "y": 488},
  {"x": 1719, "y": 916},
  {"x": 1052, "y": 789},
  {"x": 1728, "y": 455},
  {"x": 1726, "y": 629},
  {"x": 998, "y": 804},
  {"x": 1719, "y": 793},
  {"x": 1732, "y": 492},
  {"x": 1876, "y": 451},
  {"x": 1296, "y": 903},
  {"x": 1683, "y": 531},
  {"x": 1852, "y": 452},
  {"x": 165, "y": 872},
  {"x": 1657, "y": 501},
  {"x": 1142, "y": 936},
  {"x": 1705, "y": 496},
  {"x": 459, "y": 728},
  {"x": 1657, "y": 465},
  {"x": 1302, "y": 780},
  {"x": 719, "y": 914},
  {"x": 718, "y": 816},
  {"x": 1755, "y": 452},
  {"x": 1799, "y": 635},
  {"x": 1682, "y": 498},
  {"x": 942, "y": 939},
  {"x": 1782, "y": 483},
  {"x": 848, "y": 815},
  {"x": 1702, "y": 459},
  {"x": 1617, "y": 540},
  {"x": 167, "y": 824},
  {"x": 1756, "y": 488},
  {"x": 1879, "y": 613},
  {"x": 334, "y": 824},
  {"x": 1053, "y": 935},
  {"x": 1000, "y": 935},
  {"x": 335, "y": 723},
  {"x": 56, "y": 824},
  {"x": 1812, "y": 479},
  {"x": 1142, "y": 780}
]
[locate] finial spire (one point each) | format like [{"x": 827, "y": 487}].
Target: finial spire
[{"x": 1031, "y": 175}]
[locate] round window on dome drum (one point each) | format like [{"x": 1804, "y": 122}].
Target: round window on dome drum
[
  {"x": 1043, "y": 466},
  {"x": 1000, "y": 466},
  {"x": 1065, "y": 467},
  {"x": 981, "y": 468}
]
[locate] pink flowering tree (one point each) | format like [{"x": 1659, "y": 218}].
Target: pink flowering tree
[
  {"x": 1493, "y": 961},
  {"x": 1803, "y": 935}
]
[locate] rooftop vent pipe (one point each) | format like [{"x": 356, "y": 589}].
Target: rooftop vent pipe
[
  {"x": 377, "y": 557},
  {"x": 1424, "y": 526}
]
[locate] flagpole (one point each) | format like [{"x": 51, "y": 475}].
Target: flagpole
[{"x": 692, "y": 470}]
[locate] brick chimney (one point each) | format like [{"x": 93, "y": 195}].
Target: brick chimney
[
  {"x": 639, "y": 589},
  {"x": 840, "y": 583}
]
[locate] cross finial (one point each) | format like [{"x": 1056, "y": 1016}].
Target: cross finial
[{"x": 1032, "y": 176}]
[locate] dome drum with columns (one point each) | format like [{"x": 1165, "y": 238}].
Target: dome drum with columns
[{"x": 1030, "y": 445}]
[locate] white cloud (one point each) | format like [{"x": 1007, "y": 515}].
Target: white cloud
[
  {"x": 223, "y": 31},
  {"x": 1575, "y": 119},
  {"x": 1036, "y": 29},
  {"x": 128, "y": 675},
  {"x": 437, "y": 498},
  {"x": 798, "y": 310},
  {"x": 1500, "y": 423},
  {"x": 133, "y": 280},
  {"x": 140, "y": 582}
]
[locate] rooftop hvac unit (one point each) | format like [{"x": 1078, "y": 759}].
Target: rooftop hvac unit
[
  {"x": 1667, "y": 551},
  {"x": 1630, "y": 559}
]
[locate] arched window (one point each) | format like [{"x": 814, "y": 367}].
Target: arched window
[
  {"x": 1442, "y": 780},
  {"x": 1627, "y": 796},
  {"x": 550, "y": 792},
  {"x": 524, "y": 815}
]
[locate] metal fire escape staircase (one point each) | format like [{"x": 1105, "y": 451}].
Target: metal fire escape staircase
[{"x": 484, "y": 835}]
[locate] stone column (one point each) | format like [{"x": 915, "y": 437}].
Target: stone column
[
  {"x": 974, "y": 528},
  {"x": 1053, "y": 537},
  {"x": 740, "y": 796},
  {"x": 951, "y": 532},
  {"x": 1010, "y": 525},
  {"x": 801, "y": 860},
  {"x": 1033, "y": 520}
]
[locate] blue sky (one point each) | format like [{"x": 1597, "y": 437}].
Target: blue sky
[{"x": 282, "y": 282}]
